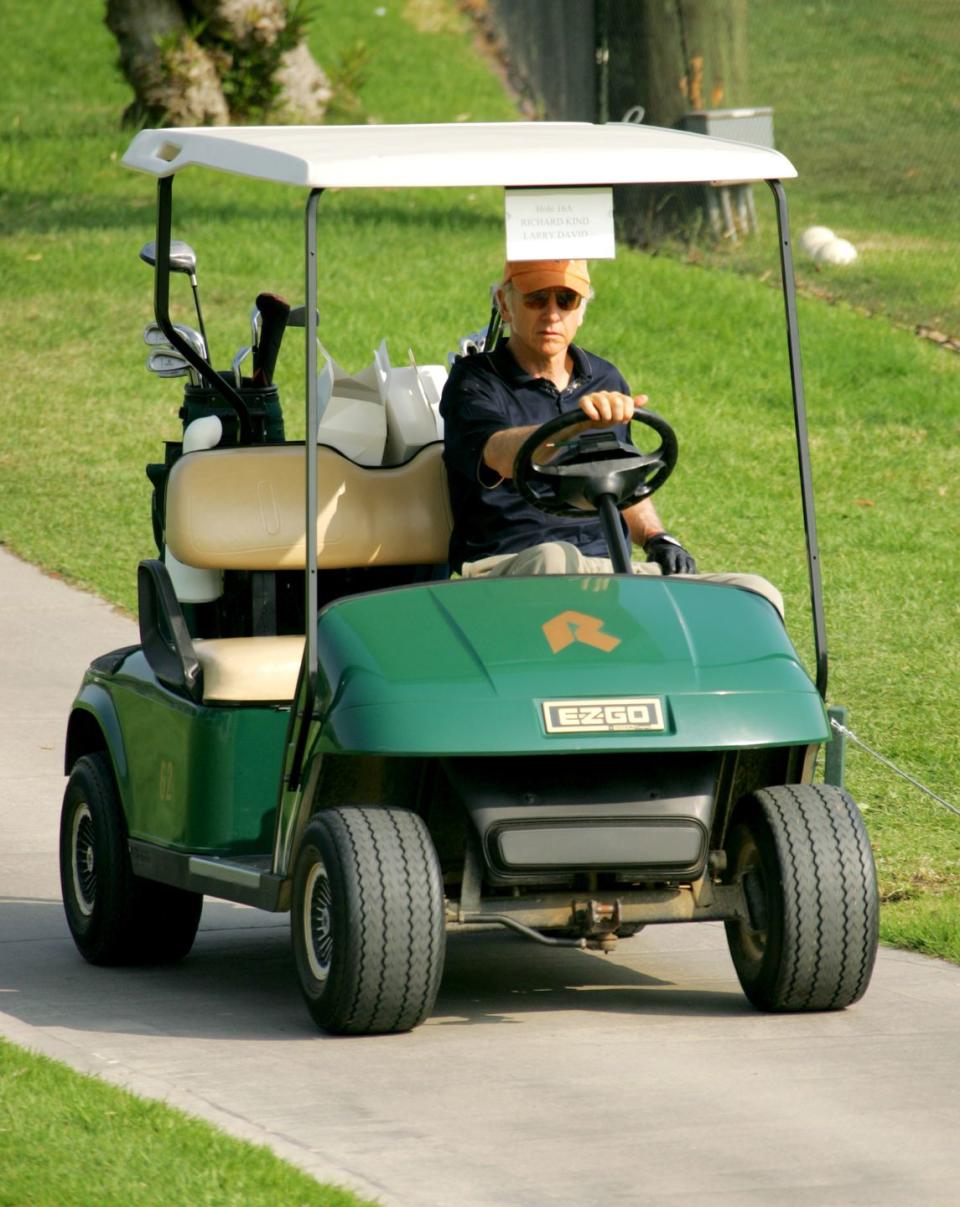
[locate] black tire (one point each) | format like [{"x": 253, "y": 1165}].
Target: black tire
[
  {"x": 367, "y": 920},
  {"x": 114, "y": 916},
  {"x": 804, "y": 858}
]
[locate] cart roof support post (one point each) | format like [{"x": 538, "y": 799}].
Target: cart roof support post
[
  {"x": 307, "y": 697},
  {"x": 803, "y": 447}
]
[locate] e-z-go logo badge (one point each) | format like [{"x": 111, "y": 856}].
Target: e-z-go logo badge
[{"x": 602, "y": 716}]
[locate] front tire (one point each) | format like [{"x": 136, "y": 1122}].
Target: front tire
[
  {"x": 802, "y": 855},
  {"x": 115, "y": 917},
  {"x": 367, "y": 920}
]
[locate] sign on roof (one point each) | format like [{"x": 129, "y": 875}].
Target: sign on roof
[{"x": 560, "y": 224}]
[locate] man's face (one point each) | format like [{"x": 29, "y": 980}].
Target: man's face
[{"x": 542, "y": 323}]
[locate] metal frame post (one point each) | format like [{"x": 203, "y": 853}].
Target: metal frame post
[
  {"x": 800, "y": 422},
  {"x": 836, "y": 749},
  {"x": 312, "y": 433},
  {"x": 307, "y": 690}
]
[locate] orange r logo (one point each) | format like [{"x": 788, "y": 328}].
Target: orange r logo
[{"x": 568, "y": 627}]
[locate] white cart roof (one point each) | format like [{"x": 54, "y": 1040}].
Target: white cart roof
[{"x": 512, "y": 154}]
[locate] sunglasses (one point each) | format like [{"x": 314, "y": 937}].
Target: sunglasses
[{"x": 566, "y": 299}]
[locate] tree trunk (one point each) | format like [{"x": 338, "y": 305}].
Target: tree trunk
[
  {"x": 304, "y": 89},
  {"x": 174, "y": 80},
  {"x": 671, "y": 57},
  {"x": 207, "y": 62}
]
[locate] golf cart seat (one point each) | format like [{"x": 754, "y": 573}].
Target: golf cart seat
[{"x": 244, "y": 509}]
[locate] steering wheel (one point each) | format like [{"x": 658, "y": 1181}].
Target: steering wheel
[{"x": 593, "y": 464}]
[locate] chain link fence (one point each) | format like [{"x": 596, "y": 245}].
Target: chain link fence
[{"x": 549, "y": 50}]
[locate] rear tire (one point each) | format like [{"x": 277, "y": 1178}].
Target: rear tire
[
  {"x": 114, "y": 916},
  {"x": 367, "y": 920},
  {"x": 804, "y": 859}
]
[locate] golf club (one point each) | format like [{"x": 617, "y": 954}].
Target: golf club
[
  {"x": 256, "y": 324},
  {"x": 241, "y": 356},
  {"x": 193, "y": 338},
  {"x": 154, "y": 337},
  {"x": 168, "y": 364},
  {"x": 169, "y": 350},
  {"x": 182, "y": 259},
  {"x": 165, "y": 350},
  {"x": 273, "y": 313},
  {"x": 494, "y": 327}
]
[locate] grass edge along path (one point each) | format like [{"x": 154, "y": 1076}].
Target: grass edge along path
[{"x": 60, "y": 1128}]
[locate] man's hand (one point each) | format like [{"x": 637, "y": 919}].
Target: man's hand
[
  {"x": 601, "y": 409},
  {"x": 606, "y": 407},
  {"x": 669, "y": 554}
]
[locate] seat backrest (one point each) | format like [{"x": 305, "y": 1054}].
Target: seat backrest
[{"x": 243, "y": 509}]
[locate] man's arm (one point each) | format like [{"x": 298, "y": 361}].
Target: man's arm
[
  {"x": 659, "y": 546},
  {"x": 642, "y": 521},
  {"x": 603, "y": 408}
]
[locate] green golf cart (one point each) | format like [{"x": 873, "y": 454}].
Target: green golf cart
[{"x": 338, "y": 729}]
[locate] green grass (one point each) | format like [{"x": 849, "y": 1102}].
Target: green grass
[
  {"x": 84, "y": 417},
  {"x": 81, "y": 417},
  {"x": 866, "y": 98},
  {"x": 70, "y": 1139},
  {"x": 926, "y": 923}
]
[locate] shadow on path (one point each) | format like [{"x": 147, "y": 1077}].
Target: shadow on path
[{"x": 240, "y": 981}]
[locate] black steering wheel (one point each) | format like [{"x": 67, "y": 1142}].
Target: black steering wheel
[{"x": 592, "y": 466}]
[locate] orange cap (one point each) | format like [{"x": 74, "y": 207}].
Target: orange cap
[{"x": 531, "y": 275}]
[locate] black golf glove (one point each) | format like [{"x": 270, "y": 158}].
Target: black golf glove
[{"x": 669, "y": 554}]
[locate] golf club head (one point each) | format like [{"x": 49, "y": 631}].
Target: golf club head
[
  {"x": 154, "y": 337},
  {"x": 165, "y": 361},
  {"x": 193, "y": 338},
  {"x": 162, "y": 362},
  {"x": 182, "y": 256},
  {"x": 174, "y": 369},
  {"x": 256, "y": 325}
]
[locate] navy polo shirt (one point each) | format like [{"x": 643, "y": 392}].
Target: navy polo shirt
[{"x": 486, "y": 393}]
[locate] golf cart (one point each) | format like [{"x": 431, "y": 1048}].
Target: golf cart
[{"x": 333, "y": 726}]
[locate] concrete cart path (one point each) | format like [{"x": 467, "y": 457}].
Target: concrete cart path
[{"x": 543, "y": 1079}]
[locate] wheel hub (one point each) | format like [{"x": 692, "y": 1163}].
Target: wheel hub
[
  {"x": 84, "y": 860},
  {"x": 317, "y": 922}
]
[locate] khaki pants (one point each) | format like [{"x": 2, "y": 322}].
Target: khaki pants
[{"x": 559, "y": 557}]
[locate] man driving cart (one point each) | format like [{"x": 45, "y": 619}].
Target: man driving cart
[{"x": 492, "y": 403}]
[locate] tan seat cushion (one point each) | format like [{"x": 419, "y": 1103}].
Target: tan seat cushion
[
  {"x": 243, "y": 509},
  {"x": 250, "y": 669}
]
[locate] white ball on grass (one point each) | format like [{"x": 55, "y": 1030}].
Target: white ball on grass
[
  {"x": 836, "y": 251},
  {"x": 814, "y": 237}
]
